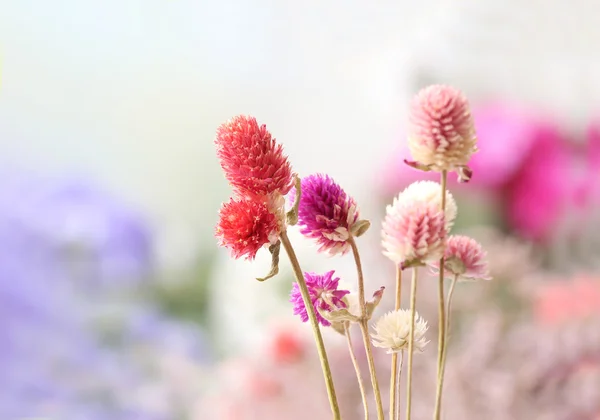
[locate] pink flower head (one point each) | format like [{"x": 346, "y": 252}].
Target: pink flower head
[
  {"x": 253, "y": 162},
  {"x": 324, "y": 294},
  {"x": 413, "y": 232},
  {"x": 465, "y": 258},
  {"x": 441, "y": 131},
  {"x": 245, "y": 226},
  {"x": 326, "y": 213}
]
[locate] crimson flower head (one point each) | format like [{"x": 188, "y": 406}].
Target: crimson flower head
[
  {"x": 326, "y": 213},
  {"x": 253, "y": 162},
  {"x": 324, "y": 295},
  {"x": 245, "y": 226},
  {"x": 442, "y": 131}
]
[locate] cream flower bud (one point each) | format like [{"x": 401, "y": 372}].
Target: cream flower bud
[{"x": 392, "y": 331}]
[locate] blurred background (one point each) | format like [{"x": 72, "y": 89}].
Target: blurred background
[{"x": 115, "y": 301}]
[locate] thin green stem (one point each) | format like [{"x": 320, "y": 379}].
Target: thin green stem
[
  {"x": 335, "y": 409},
  {"x": 447, "y": 337},
  {"x": 365, "y": 329},
  {"x": 361, "y": 384},
  {"x": 398, "y": 386},
  {"x": 394, "y": 395},
  {"x": 442, "y": 318},
  {"x": 411, "y": 336}
]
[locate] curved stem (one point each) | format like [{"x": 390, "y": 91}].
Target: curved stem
[
  {"x": 411, "y": 336},
  {"x": 447, "y": 337},
  {"x": 394, "y": 378},
  {"x": 335, "y": 409},
  {"x": 442, "y": 318},
  {"x": 361, "y": 384},
  {"x": 365, "y": 329}
]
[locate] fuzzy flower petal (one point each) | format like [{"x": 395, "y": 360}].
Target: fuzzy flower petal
[
  {"x": 245, "y": 226},
  {"x": 324, "y": 294},
  {"x": 253, "y": 162},
  {"x": 465, "y": 258},
  {"x": 430, "y": 192},
  {"x": 326, "y": 213},
  {"x": 442, "y": 132},
  {"x": 392, "y": 331},
  {"x": 413, "y": 231}
]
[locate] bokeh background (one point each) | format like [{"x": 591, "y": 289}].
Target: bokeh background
[{"x": 115, "y": 302}]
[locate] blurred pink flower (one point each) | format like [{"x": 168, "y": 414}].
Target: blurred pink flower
[
  {"x": 567, "y": 300},
  {"x": 550, "y": 183},
  {"x": 465, "y": 258}
]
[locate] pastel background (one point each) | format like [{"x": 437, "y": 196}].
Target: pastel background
[{"x": 115, "y": 301}]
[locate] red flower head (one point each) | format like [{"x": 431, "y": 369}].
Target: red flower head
[
  {"x": 253, "y": 162},
  {"x": 245, "y": 226}
]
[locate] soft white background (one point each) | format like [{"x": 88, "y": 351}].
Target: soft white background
[{"x": 130, "y": 91}]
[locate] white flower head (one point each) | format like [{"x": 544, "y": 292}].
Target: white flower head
[
  {"x": 392, "y": 331},
  {"x": 429, "y": 192}
]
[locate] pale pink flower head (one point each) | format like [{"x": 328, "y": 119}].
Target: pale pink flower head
[
  {"x": 245, "y": 226},
  {"x": 254, "y": 163},
  {"x": 465, "y": 258},
  {"x": 441, "y": 129},
  {"x": 414, "y": 232}
]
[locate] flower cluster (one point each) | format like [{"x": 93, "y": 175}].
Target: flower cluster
[
  {"x": 392, "y": 331},
  {"x": 260, "y": 174}
]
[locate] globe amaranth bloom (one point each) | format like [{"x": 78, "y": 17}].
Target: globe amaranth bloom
[
  {"x": 254, "y": 163},
  {"x": 413, "y": 231},
  {"x": 430, "y": 192},
  {"x": 245, "y": 226},
  {"x": 326, "y": 213},
  {"x": 324, "y": 294},
  {"x": 392, "y": 331},
  {"x": 464, "y": 257},
  {"x": 441, "y": 131}
]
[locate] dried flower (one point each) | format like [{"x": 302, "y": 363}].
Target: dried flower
[
  {"x": 413, "y": 232},
  {"x": 429, "y": 192},
  {"x": 324, "y": 294},
  {"x": 392, "y": 331},
  {"x": 326, "y": 213},
  {"x": 465, "y": 258},
  {"x": 245, "y": 226},
  {"x": 442, "y": 132},
  {"x": 253, "y": 162}
]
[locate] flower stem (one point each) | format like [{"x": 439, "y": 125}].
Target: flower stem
[
  {"x": 397, "y": 390},
  {"x": 411, "y": 336},
  {"x": 446, "y": 338},
  {"x": 442, "y": 319},
  {"x": 394, "y": 377},
  {"x": 361, "y": 384},
  {"x": 335, "y": 409},
  {"x": 365, "y": 329}
]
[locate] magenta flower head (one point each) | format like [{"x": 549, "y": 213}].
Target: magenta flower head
[
  {"x": 465, "y": 258},
  {"x": 245, "y": 226},
  {"x": 414, "y": 232},
  {"x": 441, "y": 131},
  {"x": 253, "y": 162},
  {"x": 326, "y": 213},
  {"x": 324, "y": 294}
]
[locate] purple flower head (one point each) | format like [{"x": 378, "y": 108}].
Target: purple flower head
[
  {"x": 324, "y": 294},
  {"x": 326, "y": 213}
]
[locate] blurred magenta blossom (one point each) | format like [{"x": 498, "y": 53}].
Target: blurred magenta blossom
[{"x": 526, "y": 160}]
